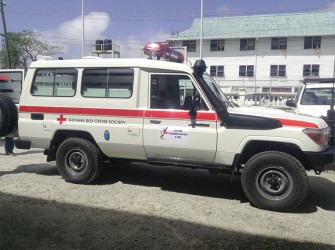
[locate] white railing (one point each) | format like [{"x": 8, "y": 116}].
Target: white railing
[{"x": 275, "y": 100}]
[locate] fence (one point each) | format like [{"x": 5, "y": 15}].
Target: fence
[{"x": 275, "y": 100}]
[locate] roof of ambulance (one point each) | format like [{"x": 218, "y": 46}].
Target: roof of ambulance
[{"x": 108, "y": 62}]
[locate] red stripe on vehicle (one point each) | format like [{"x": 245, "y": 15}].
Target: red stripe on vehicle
[
  {"x": 179, "y": 114},
  {"x": 295, "y": 123},
  {"x": 163, "y": 114}
]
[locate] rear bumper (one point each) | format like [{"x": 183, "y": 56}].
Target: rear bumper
[{"x": 322, "y": 160}]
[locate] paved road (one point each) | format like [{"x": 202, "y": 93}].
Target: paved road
[{"x": 138, "y": 206}]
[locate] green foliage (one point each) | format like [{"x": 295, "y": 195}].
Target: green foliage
[{"x": 24, "y": 47}]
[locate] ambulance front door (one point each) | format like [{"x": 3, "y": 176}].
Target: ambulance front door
[{"x": 171, "y": 132}]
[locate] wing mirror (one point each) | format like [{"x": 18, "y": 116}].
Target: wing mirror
[{"x": 291, "y": 103}]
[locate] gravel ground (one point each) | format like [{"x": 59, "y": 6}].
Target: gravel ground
[{"x": 138, "y": 206}]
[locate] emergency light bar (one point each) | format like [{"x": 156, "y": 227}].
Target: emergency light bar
[{"x": 161, "y": 50}]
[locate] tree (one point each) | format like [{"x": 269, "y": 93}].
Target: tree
[{"x": 24, "y": 47}]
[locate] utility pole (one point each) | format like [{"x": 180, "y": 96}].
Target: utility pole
[
  {"x": 5, "y": 33},
  {"x": 83, "y": 30},
  {"x": 201, "y": 26}
]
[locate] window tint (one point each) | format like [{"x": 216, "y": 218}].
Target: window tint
[
  {"x": 191, "y": 45},
  {"x": 54, "y": 82},
  {"x": 316, "y": 96},
  {"x": 278, "y": 43},
  {"x": 311, "y": 70},
  {"x": 312, "y": 42},
  {"x": 278, "y": 70},
  {"x": 217, "y": 71},
  {"x": 246, "y": 70},
  {"x": 113, "y": 83},
  {"x": 247, "y": 44},
  {"x": 174, "y": 92},
  {"x": 217, "y": 45}
]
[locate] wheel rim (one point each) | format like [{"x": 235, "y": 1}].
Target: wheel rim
[
  {"x": 76, "y": 161},
  {"x": 274, "y": 182}
]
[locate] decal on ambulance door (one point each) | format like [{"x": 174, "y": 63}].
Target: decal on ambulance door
[{"x": 173, "y": 135}]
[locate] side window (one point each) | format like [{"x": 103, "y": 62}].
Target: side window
[
  {"x": 55, "y": 82},
  {"x": 113, "y": 83},
  {"x": 174, "y": 92}
]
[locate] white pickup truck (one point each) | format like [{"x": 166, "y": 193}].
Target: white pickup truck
[{"x": 86, "y": 111}]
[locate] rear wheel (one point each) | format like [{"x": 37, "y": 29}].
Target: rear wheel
[
  {"x": 8, "y": 115},
  {"x": 78, "y": 160},
  {"x": 274, "y": 181}
]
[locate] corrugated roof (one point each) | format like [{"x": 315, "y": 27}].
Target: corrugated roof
[{"x": 282, "y": 25}]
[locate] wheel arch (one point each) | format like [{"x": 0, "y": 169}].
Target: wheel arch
[
  {"x": 61, "y": 135},
  {"x": 257, "y": 146}
]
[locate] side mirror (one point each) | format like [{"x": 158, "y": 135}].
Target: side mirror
[
  {"x": 291, "y": 103},
  {"x": 192, "y": 112}
]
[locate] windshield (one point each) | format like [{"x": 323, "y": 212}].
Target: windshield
[
  {"x": 317, "y": 96},
  {"x": 215, "y": 89}
]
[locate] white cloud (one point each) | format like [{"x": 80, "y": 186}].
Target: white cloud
[
  {"x": 69, "y": 33},
  {"x": 69, "y": 36},
  {"x": 331, "y": 6},
  {"x": 225, "y": 10}
]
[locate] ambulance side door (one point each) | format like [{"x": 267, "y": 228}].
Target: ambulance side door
[{"x": 171, "y": 132}]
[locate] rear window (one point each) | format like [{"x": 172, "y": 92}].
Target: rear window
[
  {"x": 108, "y": 83},
  {"x": 55, "y": 82},
  {"x": 11, "y": 84}
]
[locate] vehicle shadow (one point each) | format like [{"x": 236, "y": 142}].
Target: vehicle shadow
[
  {"x": 195, "y": 182},
  {"x": 28, "y": 152},
  {"x": 45, "y": 169},
  {"x": 30, "y": 223},
  {"x": 175, "y": 179}
]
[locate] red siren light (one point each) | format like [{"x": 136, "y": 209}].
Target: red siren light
[{"x": 160, "y": 50}]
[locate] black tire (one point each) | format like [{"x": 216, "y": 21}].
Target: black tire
[
  {"x": 78, "y": 160},
  {"x": 274, "y": 181},
  {"x": 8, "y": 115}
]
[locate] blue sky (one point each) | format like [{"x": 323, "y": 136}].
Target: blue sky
[{"x": 132, "y": 23}]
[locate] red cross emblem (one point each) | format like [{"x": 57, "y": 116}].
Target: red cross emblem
[{"x": 61, "y": 119}]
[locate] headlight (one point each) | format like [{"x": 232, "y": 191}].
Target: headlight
[{"x": 319, "y": 136}]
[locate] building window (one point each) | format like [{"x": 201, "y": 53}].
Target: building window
[
  {"x": 246, "y": 70},
  {"x": 312, "y": 42},
  {"x": 191, "y": 45},
  {"x": 311, "y": 70},
  {"x": 217, "y": 45},
  {"x": 278, "y": 70},
  {"x": 217, "y": 71},
  {"x": 278, "y": 43},
  {"x": 247, "y": 44}
]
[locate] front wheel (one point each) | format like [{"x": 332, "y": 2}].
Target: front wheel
[
  {"x": 78, "y": 160},
  {"x": 274, "y": 181}
]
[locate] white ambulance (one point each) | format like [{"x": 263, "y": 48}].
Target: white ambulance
[{"x": 83, "y": 112}]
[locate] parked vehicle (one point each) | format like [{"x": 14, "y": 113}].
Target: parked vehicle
[
  {"x": 316, "y": 97},
  {"x": 83, "y": 112}
]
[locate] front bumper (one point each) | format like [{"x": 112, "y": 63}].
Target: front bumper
[{"x": 324, "y": 160}]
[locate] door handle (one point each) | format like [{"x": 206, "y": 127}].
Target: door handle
[
  {"x": 155, "y": 122},
  {"x": 37, "y": 116},
  {"x": 199, "y": 125}
]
